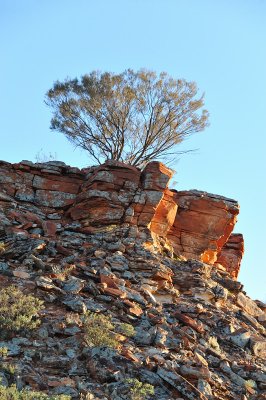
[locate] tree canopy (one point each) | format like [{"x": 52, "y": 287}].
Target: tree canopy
[{"x": 133, "y": 117}]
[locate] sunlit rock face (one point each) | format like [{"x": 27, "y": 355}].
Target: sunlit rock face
[
  {"x": 231, "y": 254},
  {"x": 127, "y": 270},
  {"x": 46, "y": 197},
  {"x": 106, "y": 194},
  {"x": 202, "y": 224}
]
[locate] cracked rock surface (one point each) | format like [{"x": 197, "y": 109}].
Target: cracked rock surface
[{"x": 106, "y": 241}]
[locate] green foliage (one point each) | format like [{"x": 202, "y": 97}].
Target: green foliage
[
  {"x": 8, "y": 368},
  {"x": 17, "y": 310},
  {"x": 133, "y": 117},
  {"x": 126, "y": 329},
  {"x": 139, "y": 390},
  {"x": 98, "y": 331},
  {"x": 3, "y": 352},
  {"x": 12, "y": 393}
]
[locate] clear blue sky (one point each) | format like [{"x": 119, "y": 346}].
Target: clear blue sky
[{"x": 219, "y": 44}]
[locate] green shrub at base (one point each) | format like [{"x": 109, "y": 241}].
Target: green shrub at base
[
  {"x": 17, "y": 310},
  {"x": 97, "y": 328},
  {"x": 126, "y": 329},
  {"x": 12, "y": 393},
  {"x": 139, "y": 390}
]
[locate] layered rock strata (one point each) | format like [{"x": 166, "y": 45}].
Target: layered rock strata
[
  {"x": 50, "y": 195},
  {"x": 115, "y": 243},
  {"x": 202, "y": 225}
]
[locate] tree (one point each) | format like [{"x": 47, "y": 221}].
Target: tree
[{"x": 133, "y": 117}]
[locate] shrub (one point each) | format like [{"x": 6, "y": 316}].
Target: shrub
[
  {"x": 3, "y": 352},
  {"x": 139, "y": 390},
  {"x": 12, "y": 393},
  {"x": 8, "y": 368},
  {"x": 17, "y": 310},
  {"x": 126, "y": 329},
  {"x": 98, "y": 329},
  {"x": 42, "y": 157}
]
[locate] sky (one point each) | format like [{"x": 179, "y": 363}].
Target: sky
[{"x": 218, "y": 44}]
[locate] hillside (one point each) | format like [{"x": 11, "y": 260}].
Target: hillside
[{"x": 138, "y": 281}]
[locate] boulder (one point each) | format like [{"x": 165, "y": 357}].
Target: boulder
[
  {"x": 165, "y": 214},
  {"x": 231, "y": 254},
  {"x": 202, "y": 224},
  {"x": 248, "y": 305}
]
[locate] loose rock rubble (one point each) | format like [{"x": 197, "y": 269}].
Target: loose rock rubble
[{"x": 116, "y": 242}]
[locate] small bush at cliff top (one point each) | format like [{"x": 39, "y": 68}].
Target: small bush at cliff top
[
  {"x": 12, "y": 393},
  {"x": 98, "y": 331},
  {"x": 17, "y": 310},
  {"x": 139, "y": 390}
]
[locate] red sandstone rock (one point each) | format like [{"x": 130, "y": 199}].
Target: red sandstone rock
[
  {"x": 114, "y": 292},
  {"x": 165, "y": 214},
  {"x": 106, "y": 195},
  {"x": 163, "y": 275},
  {"x": 60, "y": 184},
  {"x": 62, "y": 250},
  {"x": 196, "y": 224},
  {"x": 25, "y": 217},
  {"x": 154, "y": 181},
  {"x": 202, "y": 225},
  {"x": 55, "y": 382},
  {"x": 110, "y": 282},
  {"x": 197, "y": 326},
  {"x": 231, "y": 254},
  {"x": 145, "y": 206},
  {"x": 156, "y": 176},
  {"x": 49, "y": 228}
]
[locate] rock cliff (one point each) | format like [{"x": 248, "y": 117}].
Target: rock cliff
[
  {"x": 115, "y": 242},
  {"x": 48, "y": 196}
]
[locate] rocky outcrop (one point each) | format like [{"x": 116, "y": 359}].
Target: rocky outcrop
[
  {"x": 158, "y": 266},
  {"x": 115, "y": 193},
  {"x": 202, "y": 224},
  {"x": 50, "y": 195}
]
